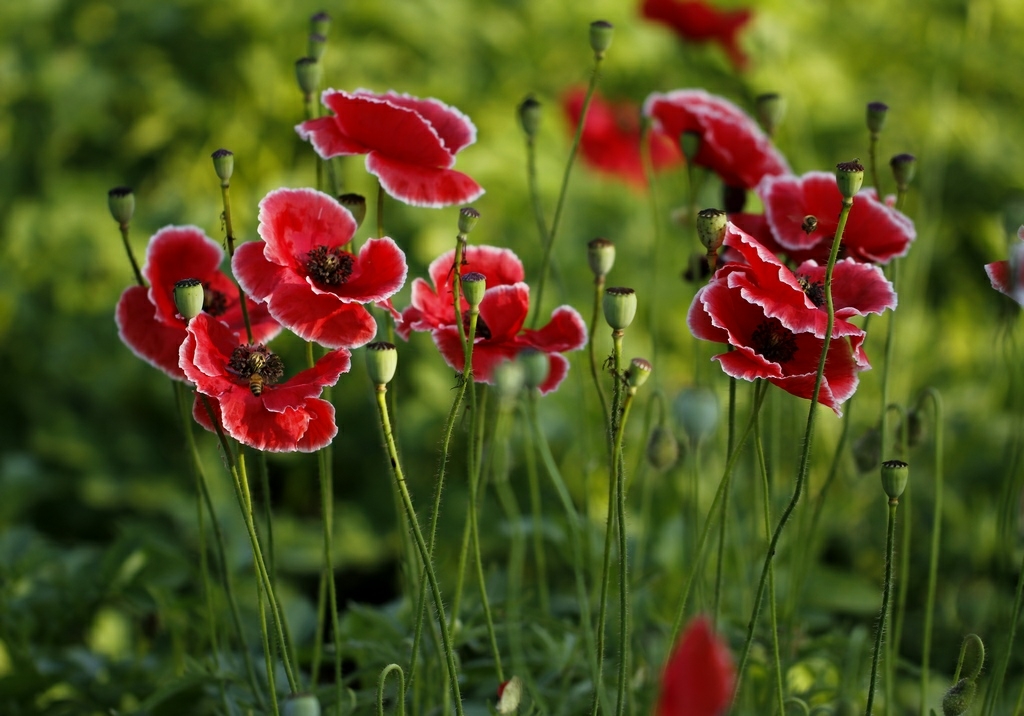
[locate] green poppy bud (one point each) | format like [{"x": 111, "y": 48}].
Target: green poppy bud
[
  {"x": 224, "y": 165},
  {"x": 601, "y": 33},
  {"x": 662, "y": 449},
  {"x": 473, "y": 287},
  {"x": 711, "y": 228},
  {"x": 301, "y": 705},
  {"x": 381, "y": 362},
  {"x": 619, "y": 307},
  {"x": 895, "y": 474},
  {"x": 696, "y": 412},
  {"x": 689, "y": 144},
  {"x": 356, "y": 204},
  {"x": 638, "y": 372},
  {"x": 188, "y": 297},
  {"x": 876, "y": 116},
  {"x": 529, "y": 115},
  {"x": 468, "y": 216},
  {"x": 770, "y": 108},
  {"x": 508, "y": 380},
  {"x": 308, "y": 72},
  {"x": 320, "y": 24},
  {"x": 600, "y": 256},
  {"x": 904, "y": 166},
  {"x": 536, "y": 366},
  {"x": 317, "y": 46},
  {"x": 958, "y": 699},
  {"x": 121, "y": 201},
  {"x": 849, "y": 178}
]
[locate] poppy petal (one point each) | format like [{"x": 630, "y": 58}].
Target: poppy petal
[
  {"x": 857, "y": 289},
  {"x": 379, "y": 272},
  {"x": 175, "y": 253},
  {"x": 504, "y": 309},
  {"x": 328, "y": 139},
  {"x": 453, "y": 127},
  {"x": 309, "y": 383},
  {"x": 322, "y": 317},
  {"x": 152, "y": 340},
  {"x": 257, "y": 276},
  {"x": 566, "y": 331},
  {"x": 422, "y": 185},
  {"x": 699, "y": 676},
  {"x": 293, "y": 222}
]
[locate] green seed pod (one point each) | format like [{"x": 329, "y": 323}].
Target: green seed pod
[
  {"x": 509, "y": 377},
  {"x": 957, "y": 700},
  {"x": 529, "y": 115},
  {"x": 895, "y": 474},
  {"x": 510, "y": 694},
  {"x": 711, "y": 228},
  {"x": 662, "y": 449},
  {"x": 356, "y": 204},
  {"x": 308, "y": 72},
  {"x": 301, "y": 705},
  {"x": 317, "y": 46},
  {"x": 770, "y": 108},
  {"x": 867, "y": 450},
  {"x": 381, "y": 362},
  {"x": 689, "y": 144},
  {"x": 876, "y": 116},
  {"x": 601, "y": 33},
  {"x": 619, "y": 307},
  {"x": 536, "y": 366},
  {"x": 904, "y": 166},
  {"x": 849, "y": 178},
  {"x": 473, "y": 287},
  {"x": 696, "y": 411},
  {"x": 188, "y": 297},
  {"x": 224, "y": 165},
  {"x": 638, "y": 372},
  {"x": 468, "y": 216},
  {"x": 320, "y": 24},
  {"x": 121, "y": 201},
  {"x": 600, "y": 256}
]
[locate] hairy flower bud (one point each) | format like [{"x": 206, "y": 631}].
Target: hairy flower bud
[
  {"x": 619, "y": 307},
  {"x": 121, "y": 201},
  {"x": 895, "y": 474},
  {"x": 849, "y": 178},
  {"x": 301, "y": 705},
  {"x": 958, "y": 698},
  {"x": 381, "y": 362},
  {"x": 536, "y": 366}
]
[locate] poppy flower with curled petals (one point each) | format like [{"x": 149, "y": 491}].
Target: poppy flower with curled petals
[
  {"x": 775, "y": 320},
  {"x": 309, "y": 281},
  {"x": 732, "y": 145},
  {"x": 410, "y": 143},
  {"x": 699, "y": 677},
  {"x": 874, "y": 233},
  {"x": 1007, "y": 277},
  {"x": 697, "y": 21},
  {"x": 147, "y": 319},
  {"x": 242, "y": 392},
  {"x": 500, "y": 335},
  {"x": 434, "y": 306},
  {"x": 610, "y": 142}
]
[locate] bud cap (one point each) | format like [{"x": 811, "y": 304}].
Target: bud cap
[
  {"x": 638, "y": 372},
  {"x": 600, "y": 256},
  {"x": 601, "y": 33},
  {"x": 223, "y": 164},
  {"x": 468, "y": 216},
  {"x": 904, "y": 166},
  {"x": 308, "y": 73},
  {"x": 121, "y": 201},
  {"x": 188, "y": 297},
  {"x": 849, "y": 178},
  {"x": 895, "y": 474},
  {"x": 381, "y": 362},
  {"x": 619, "y": 307},
  {"x": 474, "y": 285},
  {"x": 876, "y": 116}
]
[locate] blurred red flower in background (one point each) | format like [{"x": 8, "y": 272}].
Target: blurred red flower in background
[
  {"x": 610, "y": 142},
  {"x": 147, "y": 319},
  {"x": 1007, "y": 277},
  {"x": 699, "y": 676},
  {"x": 410, "y": 143},
  {"x": 701, "y": 22}
]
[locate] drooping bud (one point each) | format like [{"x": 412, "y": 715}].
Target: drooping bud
[
  {"x": 619, "y": 307},
  {"x": 867, "y": 450},
  {"x": 849, "y": 178},
  {"x": 224, "y": 165},
  {"x": 895, "y": 474},
  {"x": 474, "y": 285},
  {"x": 510, "y": 693},
  {"x": 689, "y": 144},
  {"x": 529, "y": 115},
  {"x": 508, "y": 380},
  {"x": 600, "y": 256},
  {"x": 662, "y": 449},
  {"x": 638, "y": 372},
  {"x": 301, "y": 705},
  {"x": 770, "y": 108},
  {"x": 601, "y": 33},
  {"x": 308, "y": 72},
  {"x": 711, "y": 228},
  {"x": 317, "y": 46},
  {"x": 904, "y": 166},
  {"x": 536, "y": 367},
  {"x": 356, "y": 204},
  {"x": 468, "y": 216},
  {"x": 188, "y": 297},
  {"x": 696, "y": 412},
  {"x": 958, "y": 698},
  {"x": 876, "y": 116},
  {"x": 320, "y": 23},
  {"x": 121, "y": 201},
  {"x": 381, "y": 362}
]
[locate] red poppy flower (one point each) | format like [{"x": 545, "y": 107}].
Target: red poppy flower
[
  {"x": 310, "y": 282},
  {"x": 775, "y": 319},
  {"x": 1007, "y": 277},
  {"x": 875, "y": 232},
  {"x": 410, "y": 143},
  {"x": 732, "y": 145},
  {"x": 433, "y": 307},
  {"x": 610, "y": 141},
  {"x": 240, "y": 382},
  {"x": 147, "y": 319},
  {"x": 700, "y": 22},
  {"x": 699, "y": 677}
]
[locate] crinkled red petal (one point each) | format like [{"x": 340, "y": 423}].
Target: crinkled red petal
[
  {"x": 699, "y": 320},
  {"x": 453, "y": 127},
  {"x": 566, "y": 331},
  {"x": 205, "y": 353},
  {"x": 379, "y": 272},
  {"x": 321, "y": 317},
  {"x": 328, "y": 139},
  {"x": 175, "y": 253},
  {"x": 998, "y": 276},
  {"x": 293, "y": 222},
  {"x": 155, "y": 341},
  {"x": 256, "y": 275},
  {"x": 310, "y": 383},
  {"x": 486, "y": 354},
  {"x": 504, "y": 310},
  {"x": 321, "y": 428},
  {"x": 421, "y": 184},
  {"x": 699, "y": 676},
  {"x": 247, "y": 420},
  {"x": 857, "y": 289},
  {"x": 558, "y": 368}
]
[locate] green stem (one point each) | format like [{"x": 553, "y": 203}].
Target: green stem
[
  {"x": 890, "y": 547},
  {"x": 538, "y": 537},
  {"x": 327, "y": 517},
  {"x": 722, "y": 525},
  {"x": 887, "y": 366},
  {"x": 268, "y": 656},
  {"x": 1000, "y": 673},
  {"x": 321, "y": 621},
  {"x": 595, "y": 372},
  {"x": 229, "y": 235},
  {"x": 648, "y": 166},
  {"x": 397, "y": 670},
  {"x": 933, "y": 560},
  {"x": 131, "y": 255},
  {"x": 873, "y": 161},
  {"x": 620, "y": 508}
]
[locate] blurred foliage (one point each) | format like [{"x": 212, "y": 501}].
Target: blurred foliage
[{"x": 99, "y": 603}]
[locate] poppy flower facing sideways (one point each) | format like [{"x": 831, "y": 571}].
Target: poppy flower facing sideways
[
  {"x": 1007, "y": 277},
  {"x": 309, "y": 281},
  {"x": 147, "y": 319},
  {"x": 731, "y": 145},
  {"x": 700, "y": 22},
  {"x": 610, "y": 142},
  {"x": 240, "y": 382},
  {"x": 410, "y": 143},
  {"x": 775, "y": 319},
  {"x": 874, "y": 233},
  {"x": 699, "y": 676}
]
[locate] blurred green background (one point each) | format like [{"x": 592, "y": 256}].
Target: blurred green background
[{"x": 97, "y": 516}]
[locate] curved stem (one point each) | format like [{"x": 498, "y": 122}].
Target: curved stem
[
  {"x": 933, "y": 560},
  {"x": 131, "y": 254},
  {"x": 385, "y": 672},
  {"x": 890, "y": 546},
  {"x": 595, "y": 373},
  {"x": 620, "y": 508}
]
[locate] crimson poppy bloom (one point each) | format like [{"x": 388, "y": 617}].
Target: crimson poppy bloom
[
  {"x": 240, "y": 382},
  {"x": 700, "y": 22},
  {"x": 875, "y": 232},
  {"x": 310, "y": 282},
  {"x": 1007, "y": 277},
  {"x": 410, "y": 143},
  {"x": 433, "y": 307},
  {"x": 732, "y": 145},
  {"x": 699, "y": 676},
  {"x": 610, "y": 142},
  {"x": 776, "y": 320},
  {"x": 147, "y": 319}
]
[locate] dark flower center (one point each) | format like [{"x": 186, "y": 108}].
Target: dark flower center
[
  {"x": 257, "y": 365},
  {"x": 482, "y": 331},
  {"x": 774, "y": 341},
  {"x": 815, "y": 291},
  {"x": 215, "y": 303},
  {"x": 330, "y": 267}
]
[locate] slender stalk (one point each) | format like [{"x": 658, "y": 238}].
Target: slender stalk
[
  {"x": 648, "y": 166},
  {"x": 321, "y": 621},
  {"x": 327, "y": 517},
  {"x": 595, "y": 372},
  {"x": 131, "y": 255},
  {"x": 397, "y": 670},
  {"x": 229, "y": 235},
  {"x": 538, "y": 538},
  {"x": 892, "y": 644},
  {"x": 890, "y": 332},
  {"x": 620, "y": 508},
  {"x": 933, "y": 560},
  {"x": 722, "y": 525},
  {"x": 1000, "y": 672},
  {"x": 268, "y": 656},
  {"x": 890, "y": 547},
  {"x": 873, "y": 161}
]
